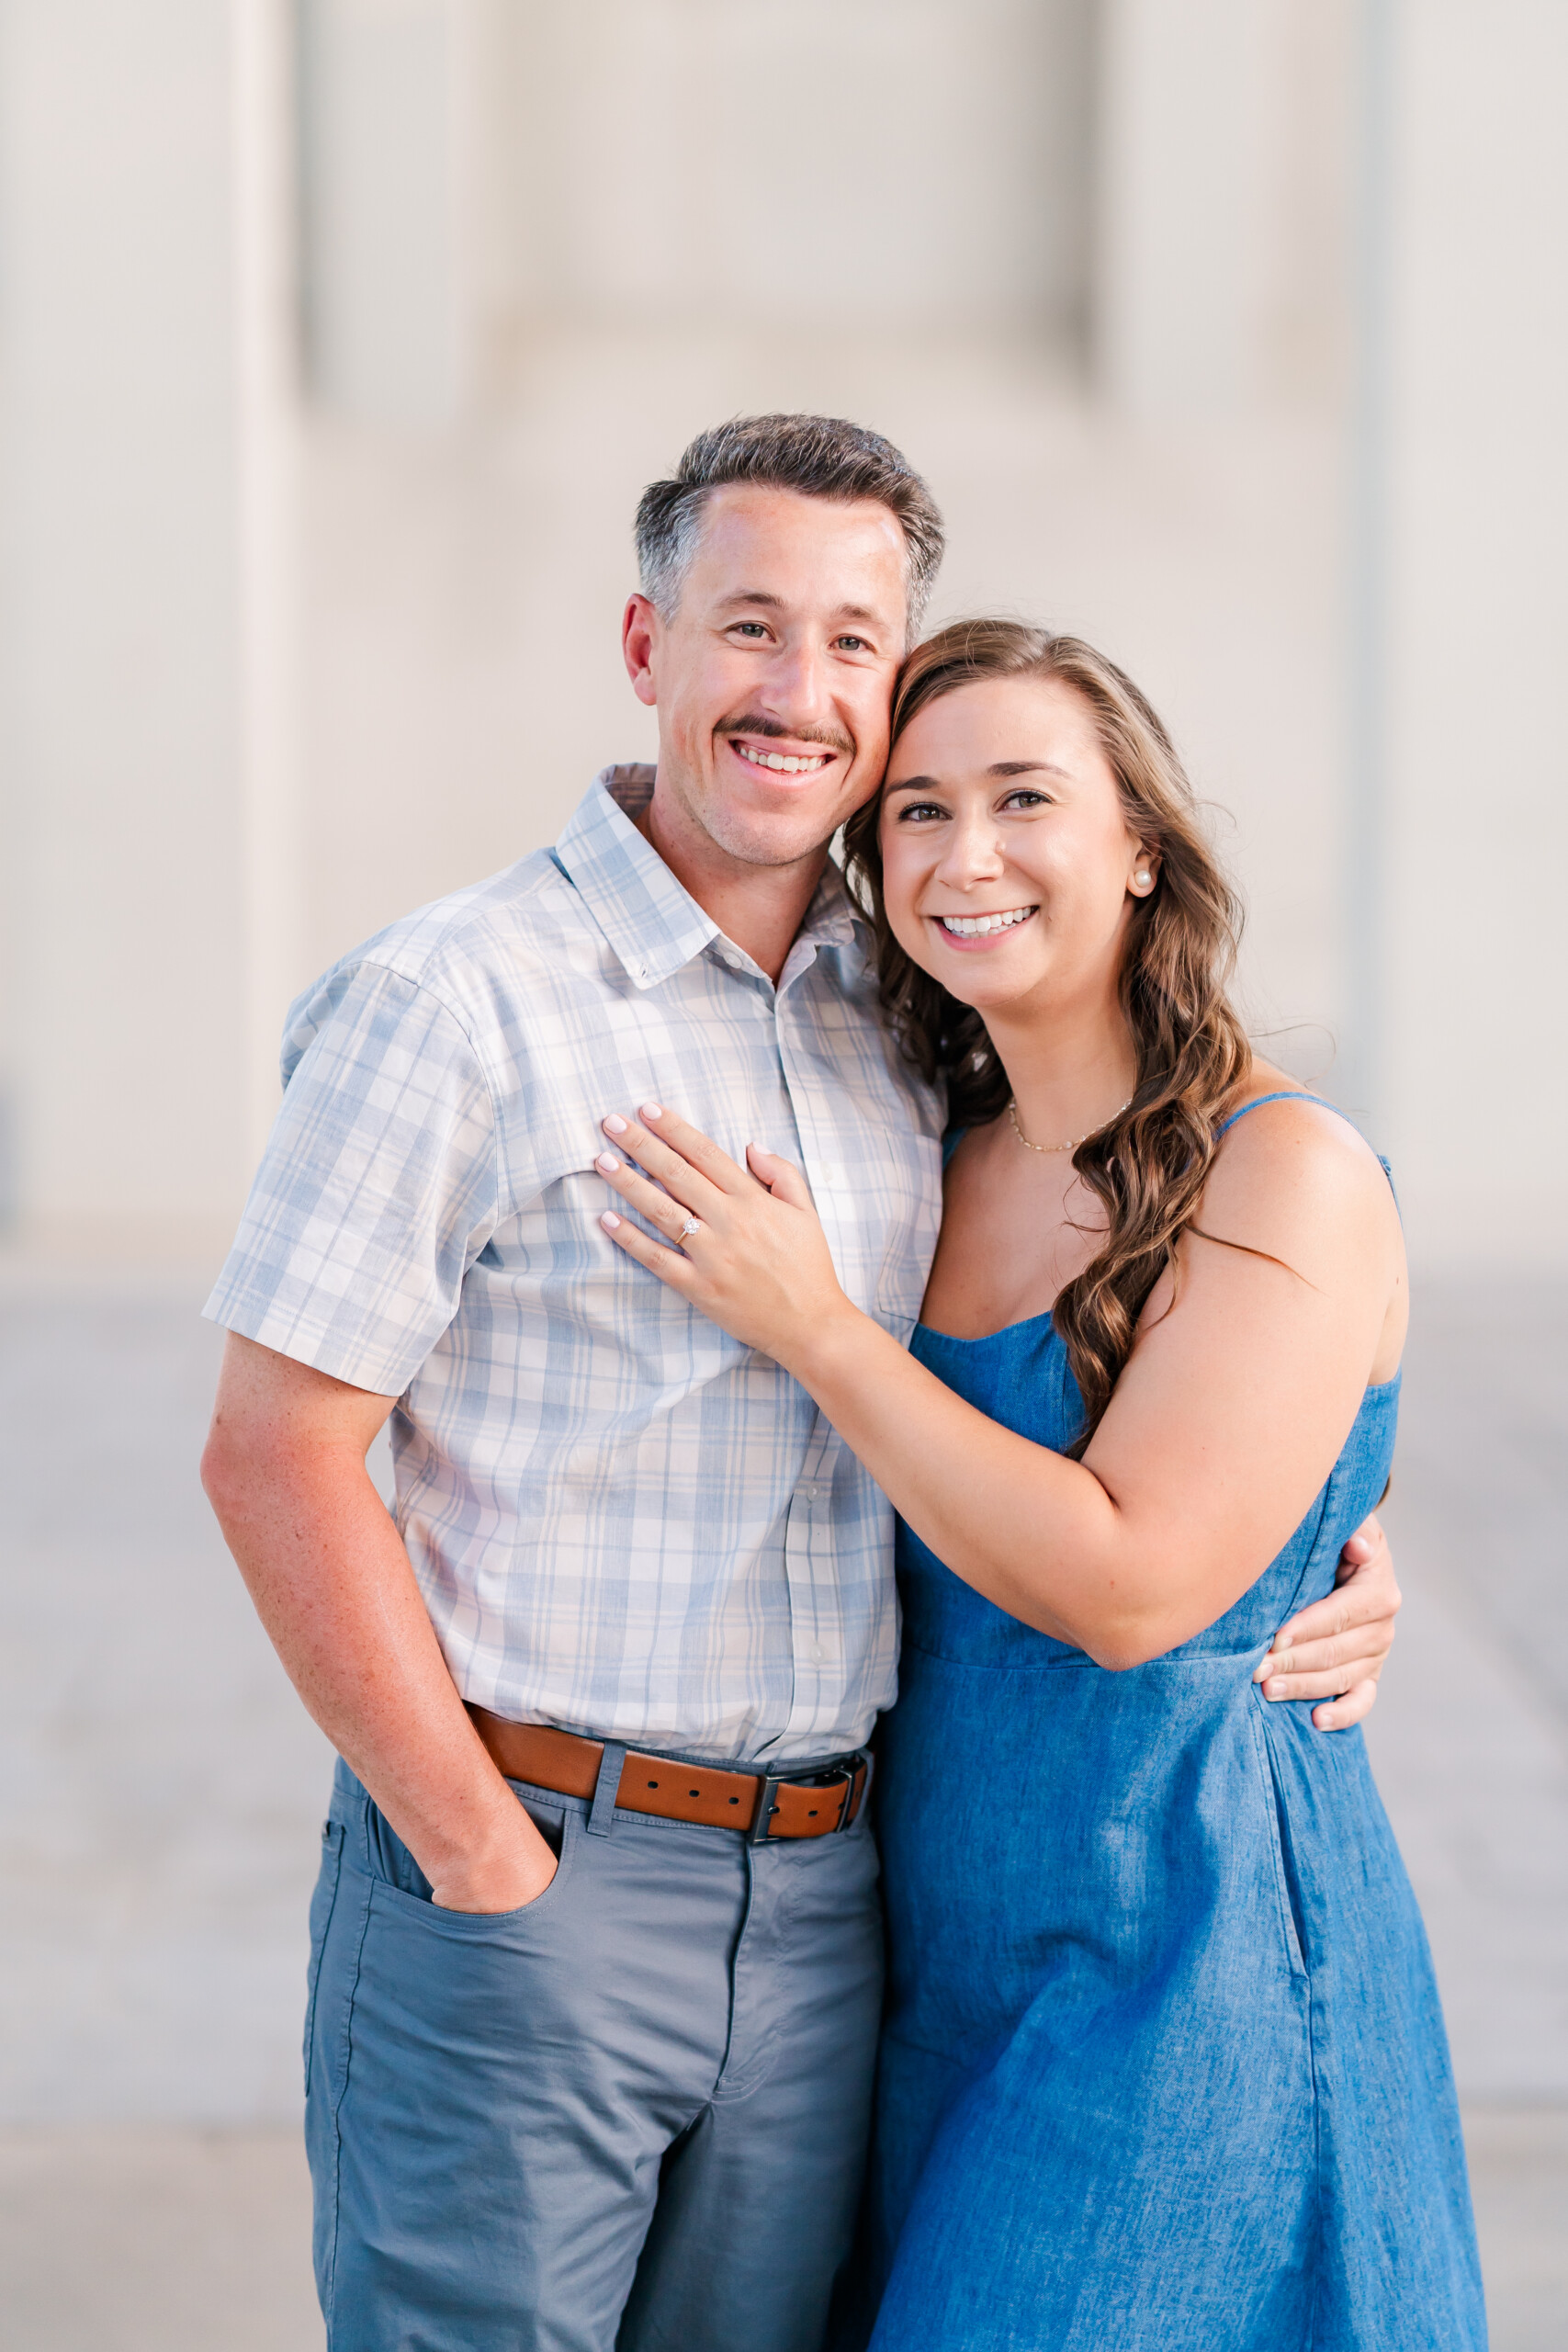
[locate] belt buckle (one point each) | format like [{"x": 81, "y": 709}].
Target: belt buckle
[
  {"x": 850, "y": 1768},
  {"x": 761, "y": 1820},
  {"x": 844, "y": 1772}
]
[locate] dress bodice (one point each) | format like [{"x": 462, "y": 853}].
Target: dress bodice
[{"x": 1021, "y": 1377}]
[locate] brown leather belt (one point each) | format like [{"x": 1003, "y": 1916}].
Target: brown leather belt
[{"x": 756, "y": 1804}]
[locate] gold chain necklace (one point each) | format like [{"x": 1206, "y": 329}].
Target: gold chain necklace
[{"x": 1013, "y": 1114}]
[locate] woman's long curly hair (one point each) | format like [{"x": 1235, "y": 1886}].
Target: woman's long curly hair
[{"x": 1149, "y": 1166}]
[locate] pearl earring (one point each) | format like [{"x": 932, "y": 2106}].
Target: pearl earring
[{"x": 1141, "y": 877}]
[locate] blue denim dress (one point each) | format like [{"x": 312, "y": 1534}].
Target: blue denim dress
[{"x": 1163, "y": 2067}]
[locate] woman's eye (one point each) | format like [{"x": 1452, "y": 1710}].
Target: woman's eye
[
  {"x": 1027, "y": 799},
  {"x": 922, "y": 809}
]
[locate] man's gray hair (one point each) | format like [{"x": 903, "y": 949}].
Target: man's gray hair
[{"x": 821, "y": 457}]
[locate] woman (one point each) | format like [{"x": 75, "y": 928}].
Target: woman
[{"x": 1163, "y": 2062}]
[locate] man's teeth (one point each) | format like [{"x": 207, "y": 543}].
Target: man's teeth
[
  {"x": 976, "y": 926},
  {"x": 784, "y": 760}
]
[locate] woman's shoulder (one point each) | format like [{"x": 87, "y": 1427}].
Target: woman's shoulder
[
  {"x": 1289, "y": 1160},
  {"x": 1272, "y": 1105}
]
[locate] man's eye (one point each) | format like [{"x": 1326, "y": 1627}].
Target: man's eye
[
  {"x": 752, "y": 628},
  {"x": 851, "y": 645}
]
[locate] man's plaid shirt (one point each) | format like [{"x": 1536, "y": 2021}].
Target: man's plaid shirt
[{"x": 623, "y": 1523}]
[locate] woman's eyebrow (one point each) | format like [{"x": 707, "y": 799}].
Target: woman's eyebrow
[{"x": 999, "y": 768}]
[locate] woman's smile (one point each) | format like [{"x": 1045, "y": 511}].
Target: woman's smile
[{"x": 979, "y": 930}]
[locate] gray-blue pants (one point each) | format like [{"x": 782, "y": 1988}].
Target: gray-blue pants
[{"x": 628, "y": 2118}]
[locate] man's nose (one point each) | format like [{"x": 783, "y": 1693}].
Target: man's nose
[{"x": 794, "y": 687}]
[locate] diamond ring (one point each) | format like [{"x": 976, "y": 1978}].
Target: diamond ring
[{"x": 691, "y": 1226}]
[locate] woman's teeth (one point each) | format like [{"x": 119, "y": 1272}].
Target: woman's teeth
[
  {"x": 977, "y": 926},
  {"x": 784, "y": 760}
]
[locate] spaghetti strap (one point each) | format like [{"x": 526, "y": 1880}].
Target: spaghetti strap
[
  {"x": 1299, "y": 1094},
  {"x": 1283, "y": 1094}
]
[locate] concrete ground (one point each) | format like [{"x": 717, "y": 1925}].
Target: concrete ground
[{"x": 159, "y": 1794}]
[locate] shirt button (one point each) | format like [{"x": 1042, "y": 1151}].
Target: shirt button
[
  {"x": 731, "y": 958},
  {"x": 819, "y": 1654}
]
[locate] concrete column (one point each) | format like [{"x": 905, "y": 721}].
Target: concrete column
[
  {"x": 1475, "y": 518},
  {"x": 1183, "y": 211},
  {"x": 387, "y": 89},
  {"x": 144, "y": 597}
]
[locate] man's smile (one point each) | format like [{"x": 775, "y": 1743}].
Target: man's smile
[{"x": 781, "y": 762}]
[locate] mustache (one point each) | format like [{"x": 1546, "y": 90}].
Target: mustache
[{"x": 751, "y": 722}]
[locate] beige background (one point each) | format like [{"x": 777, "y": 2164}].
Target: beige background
[
  {"x": 336, "y": 340},
  {"x": 1263, "y": 392}
]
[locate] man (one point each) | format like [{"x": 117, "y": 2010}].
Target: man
[{"x": 595, "y": 1962}]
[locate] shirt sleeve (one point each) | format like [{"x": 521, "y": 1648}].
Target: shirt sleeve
[{"x": 377, "y": 1188}]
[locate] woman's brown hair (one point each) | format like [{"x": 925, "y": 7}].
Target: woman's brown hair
[{"x": 1149, "y": 1165}]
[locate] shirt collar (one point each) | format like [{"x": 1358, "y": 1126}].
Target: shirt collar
[
  {"x": 653, "y": 924},
  {"x": 651, "y": 921},
  {"x": 834, "y": 919}
]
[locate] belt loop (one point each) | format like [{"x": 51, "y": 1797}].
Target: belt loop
[{"x": 602, "y": 1813}]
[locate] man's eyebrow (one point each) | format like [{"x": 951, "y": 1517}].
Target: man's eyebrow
[{"x": 776, "y": 604}]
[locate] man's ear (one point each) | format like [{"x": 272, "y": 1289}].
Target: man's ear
[{"x": 641, "y": 629}]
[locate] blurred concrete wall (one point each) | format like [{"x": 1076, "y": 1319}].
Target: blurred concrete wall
[
  {"x": 796, "y": 169},
  {"x": 146, "y": 574},
  {"x": 475, "y": 170},
  {"x": 119, "y": 592},
  {"x": 302, "y": 626},
  {"x": 1469, "y": 853}
]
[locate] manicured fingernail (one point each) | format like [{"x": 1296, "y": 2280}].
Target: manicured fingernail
[
  {"x": 651, "y": 1110},
  {"x": 609, "y": 1220},
  {"x": 608, "y": 1162},
  {"x": 614, "y": 1125},
  {"x": 1261, "y": 1673}
]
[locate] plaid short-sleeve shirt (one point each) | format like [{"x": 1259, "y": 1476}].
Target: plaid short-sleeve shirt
[{"x": 623, "y": 1521}]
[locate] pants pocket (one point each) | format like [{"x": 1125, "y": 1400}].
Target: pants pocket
[
  {"x": 322, "y": 1903},
  {"x": 401, "y": 1885},
  {"x": 392, "y": 1864}
]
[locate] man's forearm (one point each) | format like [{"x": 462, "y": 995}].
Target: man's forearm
[{"x": 334, "y": 1585}]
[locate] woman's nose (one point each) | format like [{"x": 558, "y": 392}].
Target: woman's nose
[{"x": 973, "y": 854}]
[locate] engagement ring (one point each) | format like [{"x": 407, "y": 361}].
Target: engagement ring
[{"x": 691, "y": 1226}]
